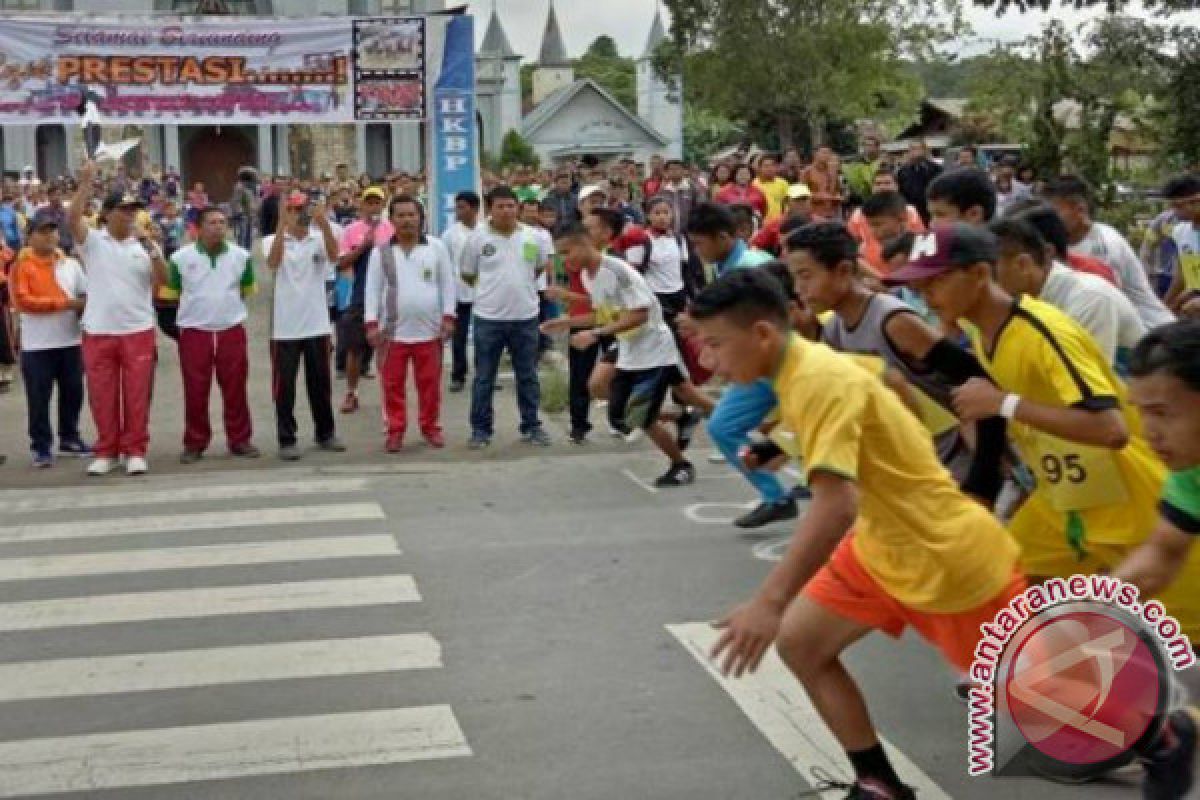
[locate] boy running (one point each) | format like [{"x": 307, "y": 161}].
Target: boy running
[
  {"x": 1097, "y": 481},
  {"x": 889, "y": 541},
  {"x": 1166, "y": 390},
  {"x": 647, "y": 364}
]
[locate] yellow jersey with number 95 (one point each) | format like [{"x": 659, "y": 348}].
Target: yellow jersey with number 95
[{"x": 1083, "y": 494}]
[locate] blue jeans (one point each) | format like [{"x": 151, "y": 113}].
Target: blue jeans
[
  {"x": 742, "y": 408},
  {"x": 492, "y": 336}
]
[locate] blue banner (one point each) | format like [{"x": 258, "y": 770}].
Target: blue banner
[{"x": 455, "y": 133}]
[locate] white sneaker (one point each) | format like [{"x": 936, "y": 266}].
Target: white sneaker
[
  {"x": 136, "y": 465},
  {"x": 101, "y": 466}
]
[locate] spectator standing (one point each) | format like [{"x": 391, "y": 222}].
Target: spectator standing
[
  {"x": 742, "y": 191},
  {"x": 772, "y": 185},
  {"x": 914, "y": 177},
  {"x": 357, "y": 240},
  {"x": 48, "y": 289},
  {"x": 300, "y": 255},
  {"x": 211, "y": 278},
  {"x": 118, "y": 325},
  {"x": 466, "y": 220},
  {"x": 679, "y": 192},
  {"x": 410, "y": 306},
  {"x": 504, "y": 259}
]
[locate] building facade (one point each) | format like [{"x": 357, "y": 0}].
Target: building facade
[{"x": 214, "y": 153}]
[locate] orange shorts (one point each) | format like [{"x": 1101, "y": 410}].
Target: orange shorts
[{"x": 845, "y": 588}]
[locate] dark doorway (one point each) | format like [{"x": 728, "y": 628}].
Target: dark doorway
[
  {"x": 214, "y": 155},
  {"x": 51, "y": 151}
]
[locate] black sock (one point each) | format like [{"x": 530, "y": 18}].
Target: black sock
[{"x": 873, "y": 763}]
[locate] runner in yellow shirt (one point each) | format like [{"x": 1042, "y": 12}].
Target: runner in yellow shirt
[
  {"x": 888, "y": 542},
  {"x": 1097, "y": 481}
]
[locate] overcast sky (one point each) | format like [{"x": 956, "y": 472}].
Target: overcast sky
[{"x": 628, "y": 22}]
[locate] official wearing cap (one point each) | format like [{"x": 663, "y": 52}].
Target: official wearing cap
[{"x": 118, "y": 324}]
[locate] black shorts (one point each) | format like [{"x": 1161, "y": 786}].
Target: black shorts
[
  {"x": 608, "y": 349},
  {"x": 352, "y": 329},
  {"x": 636, "y": 396}
]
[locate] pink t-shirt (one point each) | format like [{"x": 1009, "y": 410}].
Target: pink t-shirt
[{"x": 356, "y": 231}]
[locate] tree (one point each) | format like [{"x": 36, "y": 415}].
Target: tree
[
  {"x": 1063, "y": 95},
  {"x": 808, "y": 60},
  {"x": 705, "y": 132},
  {"x": 1112, "y": 6},
  {"x": 515, "y": 151}
]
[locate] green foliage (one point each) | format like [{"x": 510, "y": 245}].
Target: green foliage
[
  {"x": 824, "y": 59},
  {"x": 515, "y": 151},
  {"x": 705, "y": 132},
  {"x": 1063, "y": 96}
]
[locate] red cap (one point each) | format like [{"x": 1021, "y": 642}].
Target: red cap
[{"x": 297, "y": 200}]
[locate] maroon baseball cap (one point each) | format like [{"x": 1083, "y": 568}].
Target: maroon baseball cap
[{"x": 945, "y": 247}]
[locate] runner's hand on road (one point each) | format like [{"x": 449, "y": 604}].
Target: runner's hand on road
[{"x": 746, "y": 634}]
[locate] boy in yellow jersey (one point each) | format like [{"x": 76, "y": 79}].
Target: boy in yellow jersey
[
  {"x": 1183, "y": 296},
  {"x": 888, "y": 542},
  {"x": 1097, "y": 481}
]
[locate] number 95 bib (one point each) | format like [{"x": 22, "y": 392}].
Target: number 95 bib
[{"x": 1075, "y": 477}]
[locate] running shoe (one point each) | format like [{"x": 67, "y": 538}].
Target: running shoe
[
  {"x": 1170, "y": 769},
  {"x": 680, "y": 474},
  {"x": 766, "y": 513}
]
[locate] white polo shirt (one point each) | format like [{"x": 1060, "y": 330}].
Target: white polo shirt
[
  {"x": 425, "y": 290},
  {"x": 299, "y": 310},
  {"x": 507, "y": 269},
  {"x": 210, "y": 286},
  {"x": 120, "y": 285},
  {"x": 1105, "y": 243},
  {"x": 455, "y": 238}
]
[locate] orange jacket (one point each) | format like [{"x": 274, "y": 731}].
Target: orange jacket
[{"x": 34, "y": 285}]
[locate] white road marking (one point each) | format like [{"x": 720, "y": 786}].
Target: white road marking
[
  {"x": 772, "y": 550},
  {"x": 142, "y": 672},
  {"x": 57, "y": 500},
  {"x": 208, "y": 520},
  {"x": 698, "y": 512},
  {"x": 30, "y": 568},
  {"x": 779, "y": 707},
  {"x": 633, "y": 477},
  {"x": 96, "y": 761},
  {"x": 207, "y": 602}
]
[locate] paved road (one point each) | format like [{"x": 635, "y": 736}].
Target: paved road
[
  {"x": 521, "y": 624},
  {"x": 419, "y": 630}
]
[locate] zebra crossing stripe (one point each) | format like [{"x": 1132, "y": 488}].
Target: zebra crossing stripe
[
  {"x": 141, "y": 672},
  {"x": 207, "y": 602},
  {"x": 56, "y": 500},
  {"x": 71, "y": 565},
  {"x": 97, "y": 761},
  {"x": 207, "y": 520}
]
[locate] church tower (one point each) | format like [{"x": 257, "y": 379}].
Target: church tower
[
  {"x": 658, "y": 102},
  {"x": 498, "y": 84},
  {"x": 554, "y": 70}
]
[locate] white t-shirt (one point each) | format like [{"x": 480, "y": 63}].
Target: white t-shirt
[
  {"x": 425, "y": 290},
  {"x": 55, "y": 329},
  {"x": 664, "y": 273},
  {"x": 1097, "y": 305},
  {"x": 616, "y": 288},
  {"x": 299, "y": 310},
  {"x": 120, "y": 285},
  {"x": 455, "y": 238},
  {"x": 507, "y": 269},
  {"x": 1105, "y": 243}
]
